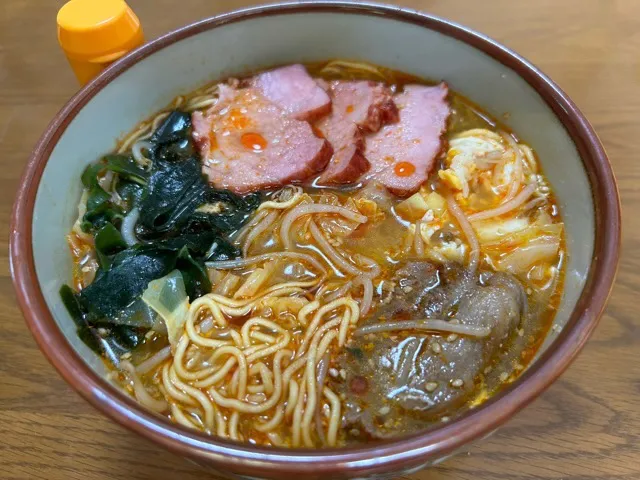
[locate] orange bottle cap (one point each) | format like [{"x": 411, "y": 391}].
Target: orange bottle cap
[{"x": 98, "y": 30}]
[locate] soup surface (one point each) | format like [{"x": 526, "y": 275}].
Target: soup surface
[{"x": 316, "y": 256}]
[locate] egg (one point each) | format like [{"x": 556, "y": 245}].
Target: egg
[{"x": 470, "y": 154}]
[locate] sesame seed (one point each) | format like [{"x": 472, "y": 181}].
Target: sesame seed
[
  {"x": 384, "y": 410},
  {"x": 457, "y": 382},
  {"x": 452, "y": 338},
  {"x": 431, "y": 386},
  {"x": 556, "y": 328},
  {"x": 521, "y": 332},
  {"x": 343, "y": 374},
  {"x": 504, "y": 376},
  {"x": 444, "y": 419},
  {"x": 333, "y": 372},
  {"x": 435, "y": 346},
  {"x": 407, "y": 289}
]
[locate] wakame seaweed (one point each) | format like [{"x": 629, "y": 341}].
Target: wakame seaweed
[
  {"x": 172, "y": 195},
  {"x": 183, "y": 222},
  {"x": 194, "y": 274},
  {"x": 108, "y": 242},
  {"x": 101, "y": 208},
  {"x": 128, "y": 276}
]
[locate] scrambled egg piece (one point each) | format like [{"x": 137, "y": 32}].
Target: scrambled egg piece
[
  {"x": 370, "y": 209},
  {"x": 470, "y": 154}
]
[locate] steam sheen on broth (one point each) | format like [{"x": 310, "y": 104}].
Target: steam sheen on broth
[{"x": 322, "y": 307}]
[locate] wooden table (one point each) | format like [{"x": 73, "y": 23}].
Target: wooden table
[{"x": 586, "y": 426}]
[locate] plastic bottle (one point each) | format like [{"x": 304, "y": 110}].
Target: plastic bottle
[{"x": 95, "y": 33}]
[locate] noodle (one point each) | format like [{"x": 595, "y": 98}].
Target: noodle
[
  {"x": 514, "y": 186},
  {"x": 243, "y": 262},
  {"x": 141, "y": 394},
  {"x": 239, "y": 236},
  {"x": 340, "y": 292},
  {"x": 346, "y": 70},
  {"x": 181, "y": 418},
  {"x": 153, "y": 361},
  {"x": 258, "y": 230},
  {"x": 282, "y": 202},
  {"x": 293, "y": 398},
  {"x": 330, "y": 252},
  {"x": 506, "y": 207},
  {"x": 218, "y": 376},
  {"x": 172, "y": 391},
  {"x": 467, "y": 229},
  {"x": 246, "y": 374},
  {"x": 82, "y": 209},
  {"x": 367, "y": 297},
  {"x": 271, "y": 350},
  {"x": 317, "y": 318},
  {"x": 222, "y": 424},
  {"x": 227, "y": 285},
  {"x": 323, "y": 368},
  {"x": 136, "y": 152},
  {"x": 428, "y": 324},
  {"x": 297, "y": 416},
  {"x": 199, "y": 103},
  {"x": 233, "y": 426},
  {"x": 143, "y": 132},
  {"x": 418, "y": 244},
  {"x": 196, "y": 394},
  {"x": 156, "y": 123},
  {"x": 334, "y": 418},
  {"x": 533, "y": 203},
  {"x": 307, "y": 209},
  {"x": 304, "y": 311},
  {"x": 128, "y": 227},
  {"x": 273, "y": 423}
]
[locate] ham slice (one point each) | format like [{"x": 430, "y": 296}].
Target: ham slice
[
  {"x": 293, "y": 90},
  {"x": 358, "y": 107},
  {"x": 247, "y": 143},
  {"x": 403, "y": 154}
]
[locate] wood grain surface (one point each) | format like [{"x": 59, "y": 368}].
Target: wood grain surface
[{"x": 586, "y": 426}]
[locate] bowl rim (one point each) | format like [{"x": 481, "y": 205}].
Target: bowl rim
[{"x": 409, "y": 451}]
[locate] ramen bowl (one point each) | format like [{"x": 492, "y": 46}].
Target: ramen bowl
[{"x": 144, "y": 81}]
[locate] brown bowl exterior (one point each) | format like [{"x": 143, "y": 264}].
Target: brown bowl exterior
[{"x": 379, "y": 459}]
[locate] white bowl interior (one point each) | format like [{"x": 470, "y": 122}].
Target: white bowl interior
[{"x": 262, "y": 42}]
